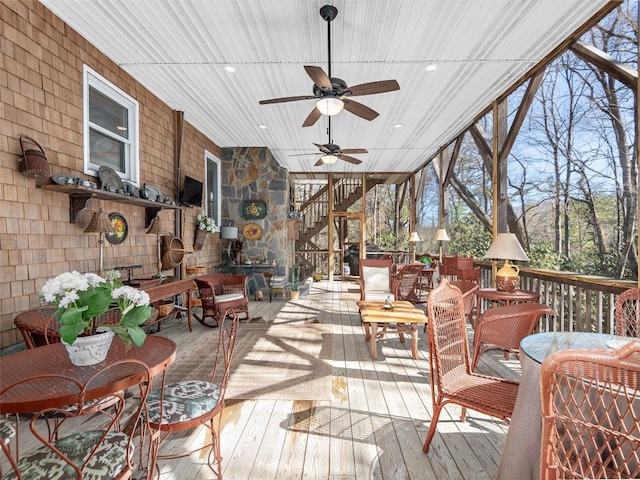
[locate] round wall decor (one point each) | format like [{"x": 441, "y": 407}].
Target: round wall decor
[
  {"x": 252, "y": 231},
  {"x": 120, "y": 225}
]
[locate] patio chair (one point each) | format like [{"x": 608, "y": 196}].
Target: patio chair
[
  {"x": 468, "y": 290},
  {"x": 83, "y": 439},
  {"x": 452, "y": 380},
  {"x": 627, "y": 313},
  {"x": 504, "y": 327},
  {"x": 376, "y": 281},
  {"x": 190, "y": 403},
  {"x": 220, "y": 293},
  {"x": 591, "y": 413},
  {"x": 408, "y": 283}
]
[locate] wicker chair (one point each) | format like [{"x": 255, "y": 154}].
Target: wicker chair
[
  {"x": 220, "y": 293},
  {"x": 504, "y": 327},
  {"x": 191, "y": 403},
  {"x": 591, "y": 413},
  {"x": 468, "y": 290},
  {"x": 376, "y": 281},
  {"x": 628, "y": 313},
  {"x": 62, "y": 445},
  {"x": 451, "y": 378},
  {"x": 407, "y": 283}
]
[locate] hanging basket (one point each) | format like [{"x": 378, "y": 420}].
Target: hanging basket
[
  {"x": 172, "y": 252},
  {"x": 200, "y": 238},
  {"x": 32, "y": 163},
  {"x": 195, "y": 269}
]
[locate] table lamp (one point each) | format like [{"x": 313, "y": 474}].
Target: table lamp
[
  {"x": 154, "y": 229},
  {"x": 100, "y": 223},
  {"x": 506, "y": 247},
  {"x": 229, "y": 234},
  {"x": 441, "y": 236},
  {"x": 413, "y": 239}
]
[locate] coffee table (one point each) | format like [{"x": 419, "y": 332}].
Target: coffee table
[{"x": 402, "y": 318}]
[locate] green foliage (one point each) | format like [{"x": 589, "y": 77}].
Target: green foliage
[
  {"x": 542, "y": 255},
  {"x": 468, "y": 237}
]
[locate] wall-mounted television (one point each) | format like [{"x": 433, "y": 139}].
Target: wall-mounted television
[{"x": 191, "y": 192}]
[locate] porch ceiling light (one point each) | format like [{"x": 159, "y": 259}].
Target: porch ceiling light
[
  {"x": 330, "y": 105},
  {"x": 329, "y": 159}
]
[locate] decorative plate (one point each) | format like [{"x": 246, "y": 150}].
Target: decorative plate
[
  {"x": 120, "y": 225},
  {"x": 154, "y": 192},
  {"x": 252, "y": 231},
  {"x": 253, "y": 209},
  {"x": 108, "y": 176},
  {"x": 60, "y": 179}
]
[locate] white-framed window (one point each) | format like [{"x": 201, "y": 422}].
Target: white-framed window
[
  {"x": 213, "y": 172},
  {"x": 110, "y": 128}
]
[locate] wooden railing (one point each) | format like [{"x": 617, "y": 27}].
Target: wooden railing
[{"x": 584, "y": 303}]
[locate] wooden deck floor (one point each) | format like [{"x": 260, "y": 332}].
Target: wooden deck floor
[{"x": 373, "y": 424}]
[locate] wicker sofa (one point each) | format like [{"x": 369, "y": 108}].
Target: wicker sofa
[{"x": 219, "y": 293}]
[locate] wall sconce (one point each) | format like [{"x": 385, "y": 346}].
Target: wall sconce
[
  {"x": 441, "y": 236},
  {"x": 413, "y": 239},
  {"x": 507, "y": 247},
  {"x": 100, "y": 223}
]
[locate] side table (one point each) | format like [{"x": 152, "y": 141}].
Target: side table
[{"x": 503, "y": 298}]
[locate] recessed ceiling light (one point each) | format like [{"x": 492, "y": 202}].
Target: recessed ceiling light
[
  {"x": 229, "y": 69},
  {"x": 263, "y": 126},
  {"x": 398, "y": 125},
  {"x": 432, "y": 67}
]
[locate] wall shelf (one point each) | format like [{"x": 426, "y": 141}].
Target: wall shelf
[{"x": 79, "y": 196}]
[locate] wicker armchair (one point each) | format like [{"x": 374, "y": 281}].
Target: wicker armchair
[
  {"x": 451, "y": 378},
  {"x": 220, "y": 293},
  {"x": 407, "y": 282},
  {"x": 468, "y": 290},
  {"x": 591, "y": 413},
  {"x": 376, "y": 281},
  {"x": 628, "y": 313},
  {"x": 504, "y": 327}
]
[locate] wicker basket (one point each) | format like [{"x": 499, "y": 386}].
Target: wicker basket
[
  {"x": 172, "y": 252},
  {"x": 195, "y": 269},
  {"x": 32, "y": 163},
  {"x": 199, "y": 239},
  {"x": 164, "y": 308}
]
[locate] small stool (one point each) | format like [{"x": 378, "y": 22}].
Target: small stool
[{"x": 276, "y": 284}]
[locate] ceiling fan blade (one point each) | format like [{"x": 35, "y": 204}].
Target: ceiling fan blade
[
  {"x": 349, "y": 159},
  {"x": 374, "y": 87},
  {"x": 354, "y": 150},
  {"x": 360, "y": 110},
  {"x": 319, "y": 77},
  {"x": 312, "y": 118},
  {"x": 286, "y": 99},
  {"x": 318, "y": 163},
  {"x": 322, "y": 148}
]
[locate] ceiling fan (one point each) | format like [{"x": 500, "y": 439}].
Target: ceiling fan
[
  {"x": 332, "y": 93},
  {"x": 331, "y": 152}
]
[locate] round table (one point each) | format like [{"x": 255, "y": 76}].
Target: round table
[
  {"x": 156, "y": 352},
  {"x": 521, "y": 454},
  {"x": 505, "y": 298}
]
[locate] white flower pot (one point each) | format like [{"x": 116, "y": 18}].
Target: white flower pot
[{"x": 90, "y": 350}]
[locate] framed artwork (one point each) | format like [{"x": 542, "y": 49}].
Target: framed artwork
[
  {"x": 120, "y": 225},
  {"x": 252, "y": 231},
  {"x": 253, "y": 209}
]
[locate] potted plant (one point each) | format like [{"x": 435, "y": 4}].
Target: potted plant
[
  {"x": 81, "y": 298},
  {"x": 295, "y": 279},
  {"x": 205, "y": 225}
]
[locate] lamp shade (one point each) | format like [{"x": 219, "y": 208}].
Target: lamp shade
[
  {"x": 414, "y": 237},
  {"x": 441, "y": 235},
  {"x": 100, "y": 223},
  {"x": 506, "y": 247},
  {"x": 330, "y": 105},
  {"x": 154, "y": 228},
  {"x": 229, "y": 233}
]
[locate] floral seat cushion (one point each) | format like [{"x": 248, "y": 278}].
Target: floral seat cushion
[
  {"x": 7, "y": 430},
  {"x": 109, "y": 461},
  {"x": 183, "y": 401}
]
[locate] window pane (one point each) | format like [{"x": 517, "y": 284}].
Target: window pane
[
  {"x": 108, "y": 114},
  {"x": 107, "y": 151}
]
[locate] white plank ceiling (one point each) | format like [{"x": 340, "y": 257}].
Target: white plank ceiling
[{"x": 179, "y": 49}]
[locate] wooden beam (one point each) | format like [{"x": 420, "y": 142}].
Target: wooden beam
[
  {"x": 606, "y": 62},
  {"x": 521, "y": 114},
  {"x": 453, "y": 159}
]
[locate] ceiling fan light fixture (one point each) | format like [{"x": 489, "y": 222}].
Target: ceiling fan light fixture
[
  {"x": 330, "y": 105},
  {"x": 329, "y": 159}
]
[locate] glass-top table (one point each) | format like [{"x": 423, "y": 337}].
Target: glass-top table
[{"x": 540, "y": 345}]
